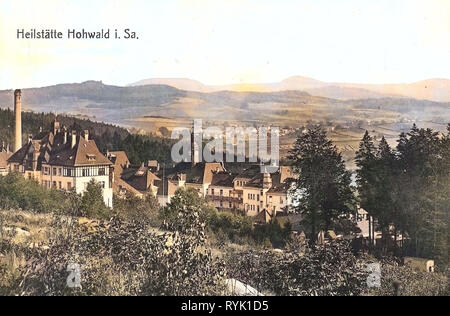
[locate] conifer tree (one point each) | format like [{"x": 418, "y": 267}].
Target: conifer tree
[{"x": 323, "y": 191}]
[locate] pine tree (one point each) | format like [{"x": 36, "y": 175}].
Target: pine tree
[
  {"x": 92, "y": 204},
  {"x": 323, "y": 191}
]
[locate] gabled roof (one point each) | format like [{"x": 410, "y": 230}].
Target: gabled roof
[
  {"x": 57, "y": 150},
  {"x": 140, "y": 179},
  {"x": 84, "y": 153},
  {"x": 120, "y": 161},
  {"x": 202, "y": 173},
  {"x": 222, "y": 179},
  {"x": 19, "y": 156}
]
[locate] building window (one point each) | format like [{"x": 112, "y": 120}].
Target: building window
[
  {"x": 101, "y": 171},
  {"x": 231, "y": 205},
  {"x": 60, "y": 185},
  {"x": 212, "y": 191},
  {"x": 221, "y": 192},
  {"x": 84, "y": 172},
  {"x": 281, "y": 200},
  {"x": 54, "y": 184},
  {"x": 69, "y": 186},
  {"x": 54, "y": 171},
  {"x": 59, "y": 171}
]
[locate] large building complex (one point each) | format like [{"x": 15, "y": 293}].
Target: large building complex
[
  {"x": 61, "y": 159},
  {"x": 68, "y": 160}
]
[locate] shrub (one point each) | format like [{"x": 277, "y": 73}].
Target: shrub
[
  {"x": 324, "y": 271},
  {"x": 92, "y": 204},
  {"x": 405, "y": 281},
  {"x": 18, "y": 192},
  {"x": 132, "y": 208},
  {"x": 119, "y": 258}
]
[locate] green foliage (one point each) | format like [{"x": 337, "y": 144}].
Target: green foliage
[
  {"x": 119, "y": 258},
  {"x": 92, "y": 204},
  {"x": 222, "y": 227},
  {"x": 188, "y": 202},
  {"x": 323, "y": 191},
  {"x": 145, "y": 147},
  {"x": 405, "y": 281},
  {"x": 107, "y": 136},
  {"x": 409, "y": 189},
  {"x": 18, "y": 192},
  {"x": 272, "y": 232},
  {"x": 324, "y": 271},
  {"x": 132, "y": 208},
  {"x": 231, "y": 227}
]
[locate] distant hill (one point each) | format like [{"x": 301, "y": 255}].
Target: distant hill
[
  {"x": 434, "y": 89},
  {"x": 139, "y": 106},
  {"x": 179, "y": 83}
]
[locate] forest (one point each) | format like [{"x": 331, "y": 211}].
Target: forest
[{"x": 139, "y": 148}]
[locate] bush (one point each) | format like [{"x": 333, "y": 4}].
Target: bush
[
  {"x": 132, "y": 208},
  {"x": 119, "y": 258},
  {"x": 92, "y": 203},
  {"x": 324, "y": 271},
  {"x": 223, "y": 226},
  {"x": 17, "y": 192},
  {"x": 405, "y": 281}
]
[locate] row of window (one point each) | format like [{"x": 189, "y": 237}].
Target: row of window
[
  {"x": 240, "y": 183},
  {"x": 252, "y": 196},
  {"x": 57, "y": 185},
  {"x": 220, "y": 192},
  {"x": 253, "y": 208},
  {"x": 75, "y": 172}
]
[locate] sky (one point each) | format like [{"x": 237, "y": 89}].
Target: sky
[{"x": 228, "y": 41}]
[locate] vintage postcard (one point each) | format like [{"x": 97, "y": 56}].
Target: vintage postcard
[{"x": 227, "y": 155}]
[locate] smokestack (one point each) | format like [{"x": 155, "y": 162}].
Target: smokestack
[
  {"x": 86, "y": 134},
  {"x": 74, "y": 138},
  {"x": 18, "y": 114},
  {"x": 65, "y": 138}
]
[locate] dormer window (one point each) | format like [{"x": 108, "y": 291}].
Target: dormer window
[{"x": 90, "y": 157}]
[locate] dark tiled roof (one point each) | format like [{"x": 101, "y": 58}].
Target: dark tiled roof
[
  {"x": 281, "y": 188},
  {"x": 54, "y": 150},
  {"x": 140, "y": 179},
  {"x": 250, "y": 172},
  {"x": 120, "y": 161},
  {"x": 222, "y": 179}
]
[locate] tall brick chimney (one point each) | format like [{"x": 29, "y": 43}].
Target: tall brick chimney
[{"x": 18, "y": 114}]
